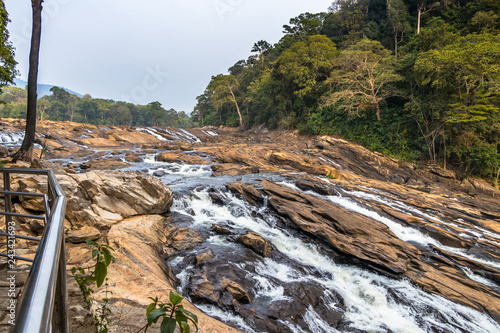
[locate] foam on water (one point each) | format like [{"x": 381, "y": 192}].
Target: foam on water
[
  {"x": 316, "y": 323},
  {"x": 11, "y": 138},
  {"x": 407, "y": 234},
  {"x": 479, "y": 232},
  {"x": 226, "y": 317},
  {"x": 209, "y": 132},
  {"x": 374, "y": 303},
  {"x": 153, "y": 132}
]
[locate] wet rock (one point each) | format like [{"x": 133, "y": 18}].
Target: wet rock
[
  {"x": 159, "y": 173},
  {"x": 344, "y": 231},
  {"x": 221, "y": 230},
  {"x": 180, "y": 157},
  {"x": 182, "y": 238},
  {"x": 230, "y": 169},
  {"x": 315, "y": 186},
  {"x": 216, "y": 199},
  {"x": 201, "y": 288},
  {"x": 444, "y": 236},
  {"x": 236, "y": 291},
  {"x": 256, "y": 243},
  {"x": 204, "y": 256},
  {"x": 4, "y": 152},
  {"x": 83, "y": 234},
  {"x": 133, "y": 158},
  {"x": 249, "y": 192}
]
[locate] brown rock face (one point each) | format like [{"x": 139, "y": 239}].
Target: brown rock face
[
  {"x": 83, "y": 234},
  {"x": 461, "y": 219},
  {"x": 345, "y": 231},
  {"x": 183, "y": 238},
  {"x": 179, "y": 156},
  {"x": 372, "y": 242},
  {"x": 236, "y": 291},
  {"x": 204, "y": 256},
  {"x": 256, "y": 243}
]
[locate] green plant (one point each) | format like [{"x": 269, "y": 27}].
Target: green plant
[
  {"x": 96, "y": 274},
  {"x": 172, "y": 314},
  {"x": 330, "y": 175},
  {"x": 45, "y": 149}
]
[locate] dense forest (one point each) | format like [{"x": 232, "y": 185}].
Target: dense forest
[
  {"x": 63, "y": 106},
  {"x": 415, "y": 79}
]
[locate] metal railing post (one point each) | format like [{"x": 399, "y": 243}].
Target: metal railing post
[
  {"x": 7, "y": 200},
  {"x": 43, "y": 306}
]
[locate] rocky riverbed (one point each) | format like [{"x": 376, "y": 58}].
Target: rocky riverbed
[{"x": 274, "y": 232}]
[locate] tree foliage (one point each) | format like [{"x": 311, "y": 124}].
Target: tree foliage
[
  {"x": 421, "y": 76},
  {"x": 362, "y": 78},
  {"x": 63, "y": 106},
  {"x": 7, "y": 62}
]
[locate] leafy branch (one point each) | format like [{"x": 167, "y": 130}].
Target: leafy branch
[
  {"x": 96, "y": 274},
  {"x": 172, "y": 314}
]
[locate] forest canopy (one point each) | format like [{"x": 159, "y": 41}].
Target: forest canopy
[
  {"x": 415, "y": 79},
  {"x": 64, "y": 106}
]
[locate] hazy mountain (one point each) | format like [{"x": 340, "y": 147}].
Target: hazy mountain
[{"x": 43, "y": 89}]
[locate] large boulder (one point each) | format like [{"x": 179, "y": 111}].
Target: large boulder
[
  {"x": 256, "y": 243},
  {"x": 100, "y": 199},
  {"x": 138, "y": 273}
]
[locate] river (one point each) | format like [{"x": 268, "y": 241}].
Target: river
[{"x": 317, "y": 289}]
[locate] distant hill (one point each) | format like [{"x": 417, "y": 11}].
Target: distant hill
[{"x": 43, "y": 89}]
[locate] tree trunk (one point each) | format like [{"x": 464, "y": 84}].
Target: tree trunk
[
  {"x": 237, "y": 107},
  {"x": 418, "y": 20},
  {"x": 25, "y": 153}
]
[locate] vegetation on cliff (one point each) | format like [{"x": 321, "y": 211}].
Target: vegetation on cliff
[{"x": 417, "y": 79}]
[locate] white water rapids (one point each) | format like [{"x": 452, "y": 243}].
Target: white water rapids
[{"x": 372, "y": 302}]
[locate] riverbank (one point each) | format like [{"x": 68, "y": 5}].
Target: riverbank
[{"x": 241, "y": 199}]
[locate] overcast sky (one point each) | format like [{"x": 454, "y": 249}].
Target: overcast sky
[{"x": 149, "y": 50}]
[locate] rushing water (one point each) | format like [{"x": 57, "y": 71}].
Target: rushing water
[
  {"x": 370, "y": 302},
  {"x": 10, "y": 139}
]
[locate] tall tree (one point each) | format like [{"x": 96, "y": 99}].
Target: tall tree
[
  {"x": 363, "y": 77},
  {"x": 156, "y": 113},
  {"x": 7, "y": 62},
  {"x": 42, "y": 105},
  {"x": 425, "y": 6},
  {"x": 470, "y": 68},
  {"x": 261, "y": 47},
  {"x": 398, "y": 18},
  {"x": 223, "y": 91},
  {"x": 305, "y": 25},
  {"x": 306, "y": 64},
  {"x": 25, "y": 153}
]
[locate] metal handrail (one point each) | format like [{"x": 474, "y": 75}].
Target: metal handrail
[{"x": 44, "y": 303}]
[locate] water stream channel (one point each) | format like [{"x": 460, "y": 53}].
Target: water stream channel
[{"x": 304, "y": 286}]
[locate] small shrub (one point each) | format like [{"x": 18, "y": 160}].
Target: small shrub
[
  {"x": 331, "y": 175},
  {"x": 86, "y": 276},
  {"x": 172, "y": 314}
]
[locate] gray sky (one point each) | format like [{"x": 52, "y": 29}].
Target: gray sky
[{"x": 149, "y": 50}]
